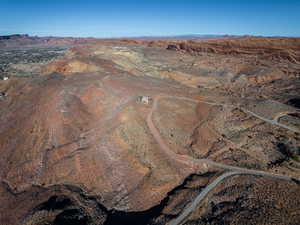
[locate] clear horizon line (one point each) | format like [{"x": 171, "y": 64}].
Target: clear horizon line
[{"x": 147, "y": 36}]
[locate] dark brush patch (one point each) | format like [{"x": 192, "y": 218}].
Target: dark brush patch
[{"x": 294, "y": 102}]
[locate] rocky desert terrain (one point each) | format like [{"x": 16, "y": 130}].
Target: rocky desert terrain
[{"x": 149, "y": 132}]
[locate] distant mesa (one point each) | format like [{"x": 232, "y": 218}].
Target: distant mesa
[{"x": 14, "y": 36}]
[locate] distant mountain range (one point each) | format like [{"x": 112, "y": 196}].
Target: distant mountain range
[
  {"x": 162, "y": 37},
  {"x": 13, "y": 36},
  {"x": 16, "y": 37},
  {"x": 193, "y": 36}
]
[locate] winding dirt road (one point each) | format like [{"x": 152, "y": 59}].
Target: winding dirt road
[
  {"x": 231, "y": 170},
  {"x": 193, "y": 206}
]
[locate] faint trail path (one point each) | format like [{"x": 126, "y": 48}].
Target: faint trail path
[
  {"x": 187, "y": 159},
  {"x": 161, "y": 142},
  {"x": 273, "y": 122},
  {"x": 231, "y": 170}
]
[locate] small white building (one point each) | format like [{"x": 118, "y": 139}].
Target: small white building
[
  {"x": 144, "y": 99},
  {"x": 4, "y": 77}
]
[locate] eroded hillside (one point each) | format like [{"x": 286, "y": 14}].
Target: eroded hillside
[{"x": 151, "y": 132}]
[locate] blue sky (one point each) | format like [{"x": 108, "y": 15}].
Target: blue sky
[{"x": 117, "y": 18}]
